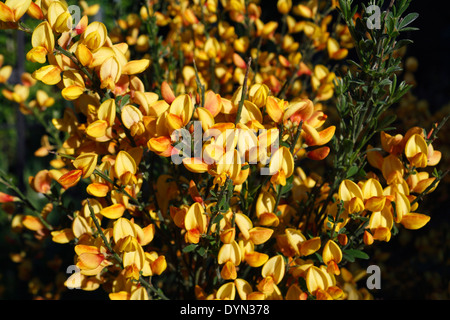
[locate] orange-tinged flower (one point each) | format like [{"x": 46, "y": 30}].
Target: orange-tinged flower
[
  {"x": 180, "y": 112},
  {"x": 96, "y": 189},
  {"x": 322, "y": 82},
  {"x": 43, "y": 101},
  {"x": 373, "y": 197},
  {"x": 317, "y": 279},
  {"x": 89, "y": 10},
  {"x": 380, "y": 224},
  {"x": 259, "y": 235},
  {"x": 205, "y": 117},
  {"x": 298, "y": 243},
  {"x": 419, "y": 182},
  {"x": 374, "y": 157},
  {"x": 281, "y": 166},
  {"x": 13, "y": 10},
  {"x": 314, "y": 138},
  {"x": 91, "y": 260},
  {"x": 41, "y": 182},
  {"x": 294, "y": 239},
  {"x": 244, "y": 224},
  {"x": 158, "y": 265},
  {"x": 195, "y": 223},
  {"x": 229, "y": 252},
  {"x": 255, "y": 259},
  {"x": 306, "y": 11},
  {"x": 125, "y": 167},
  {"x": 332, "y": 256},
  {"x": 87, "y": 163},
  {"x": 416, "y": 151},
  {"x": 300, "y": 110},
  {"x": 135, "y": 66},
  {"x": 212, "y": 48},
  {"x": 63, "y": 236},
  {"x": 35, "y": 12},
  {"x": 414, "y": 221},
  {"x": 402, "y": 206},
  {"x": 392, "y": 169},
  {"x": 107, "y": 111},
  {"x": 50, "y": 74},
  {"x": 368, "y": 238},
  {"x": 274, "y": 268},
  {"x": 84, "y": 55},
  {"x": 97, "y": 129},
  {"x": 43, "y": 42},
  {"x": 243, "y": 288},
  {"x": 318, "y": 154},
  {"x": 32, "y": 223},
  {"x": 161, "y": 145},
  {"x": 134, "y": 259},
  {"x": 351, "y": 194},
  {"x": 123, "y": 228},
  {"x": 110, "y": 72},
  {"x": 265, "y": 30},
  {"x": 295, "y": 293},
  {"x": 275, "y": 108},
  {"x": 434, "y": 156},
  {"x": 114, "y": 211},
  {"x": 59, "y": 17},
  {"x": 4, "y": 198},
  {"x": 392, "y": 144},
  {"x": 132, "y": 119},
  {"x": 229, "y": 166},
  {"x": 335, "y": 52},
  {"x": 265, "y": 209},
  {"x": 70, "y": 178}
]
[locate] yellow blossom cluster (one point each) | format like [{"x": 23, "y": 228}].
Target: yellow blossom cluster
[{"x": 235, "y": 208}]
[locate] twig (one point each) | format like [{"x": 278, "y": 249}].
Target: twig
[{"x": 244, "y": 92}]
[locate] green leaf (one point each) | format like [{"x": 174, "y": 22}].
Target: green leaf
[
  {"x": 217, "y": 218},
  {"x": 286, "y": 188},
  {"x": 408, "y": 19},
  {"x": 402, "y": 43},
  {"x": 356, "y": 253},
  {"x": 202, "y": 251},
  {"x": 352, "y": 171},
  {"x": 386, "y": 122},
  {"x": 190, "y": 248},
  {"x": 348, "y": 257}
]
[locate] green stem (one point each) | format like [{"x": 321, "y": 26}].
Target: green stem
[
  {"x": 25, "y": 201},
  {"x": 244, "y": 92}
]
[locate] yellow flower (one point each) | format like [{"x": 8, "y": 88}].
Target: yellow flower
[
  {"x": 272, "y": 272},
  {"x": 13, "y": 10},
  {"x": 195, "y": 223},
  {"x": 350, "y": 193},
  {"x": 322, "y": 82},
  {"x": 281, "y": 166},
  {"x": 332, "y": 256},
  {"x": 416, "y": 151},
  {"x": 110, "y": 72},
  {"x": 284, "y": 6}
]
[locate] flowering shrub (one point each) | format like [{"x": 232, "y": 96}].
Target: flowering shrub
[{"x": 203, "y": 150}]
